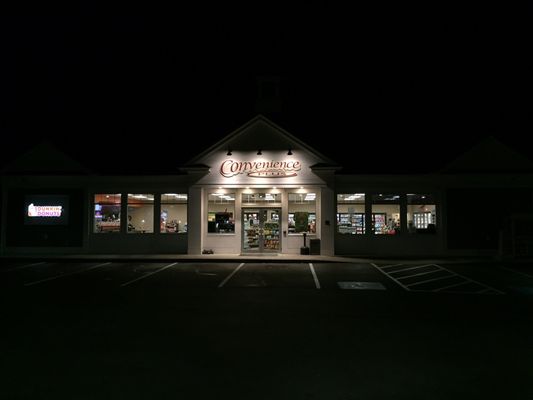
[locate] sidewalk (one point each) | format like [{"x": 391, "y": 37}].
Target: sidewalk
[
  {"x": 269, "y": 258},
  {"x": 182, "y": 257}
]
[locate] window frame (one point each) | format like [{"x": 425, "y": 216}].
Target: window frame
[
  {"x": 226, "y": 192},
  {"x": 161, "y": 203}
]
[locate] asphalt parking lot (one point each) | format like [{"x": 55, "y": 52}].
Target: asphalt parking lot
[
  {"x": 370, "y": 330},
  {"x": 458, "y": 278}
]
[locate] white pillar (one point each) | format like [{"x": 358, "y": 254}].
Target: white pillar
[
  {"x": 195, "y": 220},
  {"x": 327, "y": 222}
]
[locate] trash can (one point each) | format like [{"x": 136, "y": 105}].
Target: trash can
[
  {"x": 304, "y": 250},
  {"x": 314, "y": 247}
]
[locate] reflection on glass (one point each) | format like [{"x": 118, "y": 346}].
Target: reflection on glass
[
  {"x": 302, "y": 213},
  {"x": 351, "y": 213},
  {"x": 173, "y": 213},
  {"x": 386, "y": 214},
  {"x": 220, "y": 212},
  {"x": 106, "y": 213},
  {"x": 421, "y": 213},
  {"x": 140, "y": 213}
]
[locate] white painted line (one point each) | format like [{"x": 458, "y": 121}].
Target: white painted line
[
  {"x": 422, "y": 273},
  {"x": 430, "y": 280},
  {"x": 148, "y": 274},
  {"x": 450, "y": 286},
  {"x": 317, "y": 283},
  {"x": 24, "y": 266},
  {"x": 516, "y": 272},
  {"x": 471, "y": 280},
  {"x": 391, "y": 277},
  {"x": 387, "y": 266},
  {"x": 362, "y": 285},
  {"x": 408, "y": 269},
  {"x": 63, "y": 275},
  {"x": 230, "y": 275}
]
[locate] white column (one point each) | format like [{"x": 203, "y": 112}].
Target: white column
[
  {"x": 195, "y": 219},
  {"x": 284, "y": 221},
  {"x": 327, "y": 222}
]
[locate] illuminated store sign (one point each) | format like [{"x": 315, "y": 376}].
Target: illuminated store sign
[
  {"x": 260, "y": 169},
  {"x": 44, "y": 211}
]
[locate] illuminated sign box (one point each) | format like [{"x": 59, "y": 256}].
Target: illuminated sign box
[
  {"x": 46, "y": 210},
  {"x": 260, "y": 169}
]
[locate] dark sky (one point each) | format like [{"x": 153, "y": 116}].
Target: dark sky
[{"x": 396, "y": 89}]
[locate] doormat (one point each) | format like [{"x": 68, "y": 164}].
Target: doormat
[{"x": 361, "y": 285}]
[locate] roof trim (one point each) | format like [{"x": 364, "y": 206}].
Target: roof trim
[{"x": 258, "y": 118}]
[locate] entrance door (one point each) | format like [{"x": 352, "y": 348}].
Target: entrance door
[{"x": 261, "y": 228}]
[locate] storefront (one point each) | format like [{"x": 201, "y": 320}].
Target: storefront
[{"x": 260, "y": 191}]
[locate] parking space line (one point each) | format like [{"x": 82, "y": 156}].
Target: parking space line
[
  {"x": 450, "y": 286},
  {"x": 421, "y": 273},
  {"x": 64, "y": 275},
  {"x": 391, "y": 277},
  {"x": 516, "y": 272},
  {"x": 407, "y": 269},
  {"x": 230, "y": 275},
  {"x": 148, "y": 274},
  {"x": 472, "y": 280},
  {"x": 389, "y": 266},
  {"x": 429, "y": 280},
  {"x": 411, "y": 286},
  {"x": 317, "y": 283},
  {"x": 24, "y": 266}
]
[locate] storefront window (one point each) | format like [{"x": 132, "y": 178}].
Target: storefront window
[
  {"x": 421, "y": 213},
  {"x": 302, "y": 212},
  {"x": 140, "y": 213},
  {"x": 173, "y": 213},
  {"x": 261, "y": 198},
  {"x": 106, "y": 213},
  {"x": 351, "y": 213},
  {"x": 221, "y": 213},
  {"x": 385, "y": 214}
]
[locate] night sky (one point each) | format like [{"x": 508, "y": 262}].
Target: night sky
[{"x": 385, "y": 89}]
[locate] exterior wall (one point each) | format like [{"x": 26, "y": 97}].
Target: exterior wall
[
  {"x": 78, "y": 236},
  {"x": 476, "y": 216},
  {"x": 471, "y": 213},
  {"x": 495, "y": 197},
  {"x": 17, "y": 237},
  {"x": 299, "y": 180},
  {"x": 403, "y": 244},
  {"x": 231, "y": 243},
  {"x": 137, "y": 243}
]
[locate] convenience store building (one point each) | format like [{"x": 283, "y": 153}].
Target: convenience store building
[{"x": 261, "y": 190}]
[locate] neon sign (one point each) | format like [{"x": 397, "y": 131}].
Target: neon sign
[
  {"x": 260, "y": 169},
  {"x": 44, "y": 211}
]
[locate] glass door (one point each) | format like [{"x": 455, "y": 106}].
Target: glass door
[
  {"x": 261, "y": 230},
  {"x": 250, "y": 228},
  {"x": 271, "y": 230}
]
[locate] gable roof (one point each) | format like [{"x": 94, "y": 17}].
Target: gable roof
[
  {"x": 248, "y": 137},
  {"x": 489, "y": 155},
  {"x": 44, "y": 158}
]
